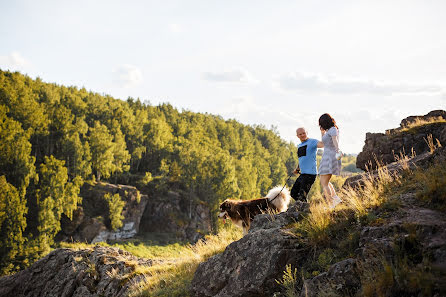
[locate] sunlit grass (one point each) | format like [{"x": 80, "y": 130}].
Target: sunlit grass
[
  {"x": 174, "y": 278},
  {"x": 421, "y": 122},
  {"x": 373, "y": 192},
  {"x": 176, "y": 262}
]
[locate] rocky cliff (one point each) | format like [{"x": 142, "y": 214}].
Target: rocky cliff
[
  {"x": 172, "y": 214},
  {"x": 412, "y": 134},
  {"x": 90, "y": 221},
  {"x": 183, "y": 217}
]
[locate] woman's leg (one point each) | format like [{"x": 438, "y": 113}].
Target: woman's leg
[{"x": 325, "y": 179}]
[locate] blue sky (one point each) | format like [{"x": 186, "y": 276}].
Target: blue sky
[{"x": 281, "y": 63}]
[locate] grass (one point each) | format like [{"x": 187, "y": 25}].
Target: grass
[
  {"x": 173, "y": 279},
  {"x": 418, "y": 122},
  {"x": 333, "y": 235},
  {"x": 430, "y": 186},
  {"x": 315, "y": 227},
  {"x": 289, "y": 281},
  {"x": 177, "y": 262},
  {"x": 408, "y": 273}
]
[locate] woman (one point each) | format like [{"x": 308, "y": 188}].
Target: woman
[{"x": 329, "y": 164}]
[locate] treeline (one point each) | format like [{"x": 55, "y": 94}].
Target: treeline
[{"x": 54, "y": 138}]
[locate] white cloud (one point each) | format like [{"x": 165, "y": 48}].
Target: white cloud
[
  {"x": 127, "y": 76},
  {"x": 328, "y": 84},
  {"x": 13, "y": 61},
  {"x": 237, "y": 75},
  {"x": 175, "y": 28}
]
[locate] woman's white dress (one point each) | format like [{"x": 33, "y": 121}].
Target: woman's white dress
[{"x": 329, "y": 164}]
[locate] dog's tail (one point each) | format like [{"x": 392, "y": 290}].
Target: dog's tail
[{"x": 282, "y": 200}]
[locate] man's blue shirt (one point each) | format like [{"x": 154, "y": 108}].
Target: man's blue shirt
[{"x": 306, "y": 151}]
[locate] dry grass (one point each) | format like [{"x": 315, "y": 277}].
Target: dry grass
[
  {"x": 430, "y": 142},
  {"x": 173, "y": 278},
  {"x": 421, "y": 122},
  {"x": 314, "y": 228}
]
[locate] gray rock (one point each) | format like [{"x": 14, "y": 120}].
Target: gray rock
[
  {"x": 177, "y": 214},
  {"x": 383, "y": 147},
  {"x": 248, "y": 267},
  {"x": 100, "y": 271},
  {"x": 342, "y": 279}
]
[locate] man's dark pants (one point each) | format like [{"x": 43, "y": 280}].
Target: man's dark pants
[{"x": 302, "y": 186}]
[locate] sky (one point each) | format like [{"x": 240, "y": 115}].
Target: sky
[{"x": 280, "y": 63}]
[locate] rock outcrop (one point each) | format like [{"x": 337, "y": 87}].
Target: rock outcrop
[
  {"x": 250, "y": 266},
  {"x": 384, "y": 146},
  {"x": 90, "y": 221},
  {"x": 423, "y": 160},
  {"x": 100, "y": 271}
]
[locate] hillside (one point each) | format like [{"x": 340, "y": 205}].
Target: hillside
[
  {"x": 387, "y": 238},
  {"x": 77, "y": 165}
]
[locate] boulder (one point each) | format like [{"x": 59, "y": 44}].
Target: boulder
[
  {"x": 99, "y": 271},
  {"x": 251, "y": 266},
  {"x": 342, "y": 279}
]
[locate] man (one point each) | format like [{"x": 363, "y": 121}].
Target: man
[{"x": 306, "y": 152}]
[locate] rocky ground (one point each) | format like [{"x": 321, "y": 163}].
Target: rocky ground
[
  {"x": 407, "y": 230},
  {"x": 100, "y": 271}
]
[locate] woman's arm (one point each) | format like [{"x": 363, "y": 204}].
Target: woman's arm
[{"x": 336, "y": 142}]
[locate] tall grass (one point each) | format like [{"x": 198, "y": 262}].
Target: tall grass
[
  {"x": 421, "y": 122},
  {"x": 373, "y": 192},
  {"x": 176, "y": 263},
  {"x": 172, "y": 278}
]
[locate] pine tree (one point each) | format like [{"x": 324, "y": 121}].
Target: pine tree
[
  {"x": 102, "y": 151},
  {"x": 55, "y": 196},
  {"x": 12, "y": 224}
]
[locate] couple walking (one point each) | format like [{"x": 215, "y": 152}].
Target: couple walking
[{"x": 330, "y": 165}]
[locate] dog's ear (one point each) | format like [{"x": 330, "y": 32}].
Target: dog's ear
[{"x": 225, "y": 205}]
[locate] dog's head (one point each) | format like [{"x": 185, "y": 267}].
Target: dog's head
[{"x": 224, "y": 208}]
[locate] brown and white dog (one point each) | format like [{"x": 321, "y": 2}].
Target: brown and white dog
[{"x": 242, "y": 212}]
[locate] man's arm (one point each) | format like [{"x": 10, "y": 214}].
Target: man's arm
[
  {"x": 297, "y": 170},
  {"x": 320, "y": 144}
]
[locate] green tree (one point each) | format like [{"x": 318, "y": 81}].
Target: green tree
[
  {"x": 102, "y": 151},
  {"x": 12, "y": 225},
  {"x": 115, "y": 207},
  {"x": 55, "y": 196}
]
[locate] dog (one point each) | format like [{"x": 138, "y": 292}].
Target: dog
[{"x": 242, "y": 212}]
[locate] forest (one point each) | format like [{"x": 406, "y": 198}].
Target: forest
[{"x": 54, "y": 138}]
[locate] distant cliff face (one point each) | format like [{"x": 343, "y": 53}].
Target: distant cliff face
[
  {"x": 90, "y": 221},
  {"x": 412, "y": 133},
  {"x": 183, "y": 217},
  {"x": 171, "y": 213}
]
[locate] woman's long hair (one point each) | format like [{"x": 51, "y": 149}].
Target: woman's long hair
[{"x": 326, "y": 122}]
